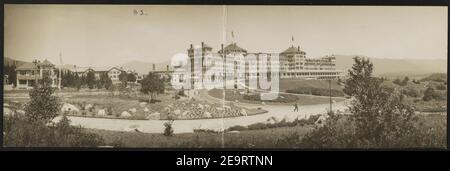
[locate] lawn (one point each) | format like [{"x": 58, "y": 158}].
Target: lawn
[
  {"x": 322, "y": 84},
  {"x": 299, "y": 99}
]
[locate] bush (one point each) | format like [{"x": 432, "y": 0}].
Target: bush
[
  {"x": 19, "y": 132},
  {"x": 168, "y": 130},
  {"x": 237, "y": 128},
  {"x": 441, "y": 87},
  {"x": 257, "y": 126}
]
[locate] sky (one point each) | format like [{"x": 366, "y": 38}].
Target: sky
[{"x": 105, "y": 35}]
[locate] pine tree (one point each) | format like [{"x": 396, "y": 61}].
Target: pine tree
[{"x": 43, "y": 106}]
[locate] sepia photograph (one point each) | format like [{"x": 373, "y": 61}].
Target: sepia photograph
[{"x": 225, "y": 76}]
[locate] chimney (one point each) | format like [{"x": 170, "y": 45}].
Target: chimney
[
  {"x": 154, "y": 67},
  {"x": 167, "y": 66},
  {"x": 298, "y": 48},
  {"x": 202, "y": 44}
]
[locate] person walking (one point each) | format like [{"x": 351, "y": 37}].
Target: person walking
[{"x": 295, "y": 107}]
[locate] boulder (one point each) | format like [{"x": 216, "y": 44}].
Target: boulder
[
  {"x": 185, "y": 113},
  {"x": 101, "y": 112},
  {"x": 206, "y": 114},
  {"x": 20, "y": 112},
  {"x": 5, "y": 105},
  {"x": 67, "y": 107},
  {"x": 132, "y": 110},
  {"x": 243, "y": 112},
  {"x": 321, "y": 120},
  {"x": 146, "y": 109},
  {"x": 177, "y": 112},
  {"x": 200, "y": 106},
  {"x": 7, "y": 112},
  {"x": 143, "y": 104},
  {"x": 88, "y": 106},
  {"x": 125, "y": 114}
]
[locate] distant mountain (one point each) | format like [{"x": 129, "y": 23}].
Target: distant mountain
[
  {"x": 144, "y": 67},
  {"x": 397, "y": 67},
  {"x": 10, "y": 61}
]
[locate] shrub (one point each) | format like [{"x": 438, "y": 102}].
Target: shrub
[
  {"x": 19, "y": 132},
  {"x": 257, "y": 126},
  {"x": 237, "y": 128},
  {"x": 168, "y": 130},
  {"x": 441, "y": 87}
]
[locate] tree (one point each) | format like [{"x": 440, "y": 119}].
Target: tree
[
  {"x": 43, "y": 106},
  {"x": 123, "y": 77},
  {"x": 405, "y": 81},
  {"x": 131, "y": 77},
  {"x": 428, "y": 94},
  {"x": 152, "y": 84},
  {"x": 90, "y": 79},
  {"x": 379, "y": 114}
]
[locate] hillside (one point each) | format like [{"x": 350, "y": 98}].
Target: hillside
[
  {"x": 397, "y": 67},
  {"x": 145, "y": 67},
  {"x": 10, "y": 61}
]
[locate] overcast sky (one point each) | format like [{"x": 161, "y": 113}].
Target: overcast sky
[{"x": 110, "y": 35}]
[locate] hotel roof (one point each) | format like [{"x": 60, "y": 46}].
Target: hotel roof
[
  {"x": 233, "y": 48},
  {"x": 292, "y": 49}
]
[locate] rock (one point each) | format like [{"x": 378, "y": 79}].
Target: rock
[
  {"x": 101, "y": 112},
  {"x": 321, "y": 120},
  {"x": 146, "y": 109},
  {"x": 207, "y": 106},
  {"x": 263, "y": 103},
  {"x": 67, "y": 107},
  {"x": 206, "y": 114},
  {"x": 237, "y": 101},
  {"x": 272, "y": 120},
  {"x": 88, "y": 106},
  {"x": 177, "y": 112},
  {"x": 132, "y": 110},
  {"x": 143, "y": 104},
  {"x": 5, "y": 105},
  {"x": 243, "y": 112},
  {"x": 200, "y": 106},
  {"x": 185, "y": 113},
  {"x": 125, "y": 114},
  {"x": 21, "y": 112},
  {"x": 7, "y": 112}
]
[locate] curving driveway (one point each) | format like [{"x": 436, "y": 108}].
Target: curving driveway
[{"x": 187, "y": 126}]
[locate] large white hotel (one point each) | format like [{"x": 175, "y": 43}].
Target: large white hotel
[{"x": 292, "y": 63}]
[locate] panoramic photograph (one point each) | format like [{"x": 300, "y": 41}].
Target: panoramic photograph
[{"x": 225, "y": 76}]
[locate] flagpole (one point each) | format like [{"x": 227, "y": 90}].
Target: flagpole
[{"x": 60, "y": 65}]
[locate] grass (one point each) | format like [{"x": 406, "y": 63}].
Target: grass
[
  {"x": 260, "y": 138},
  {"x": 294, "y": 84},
  {"x": 301, "y": 99},
  {"x": 267, "y": 138}
]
